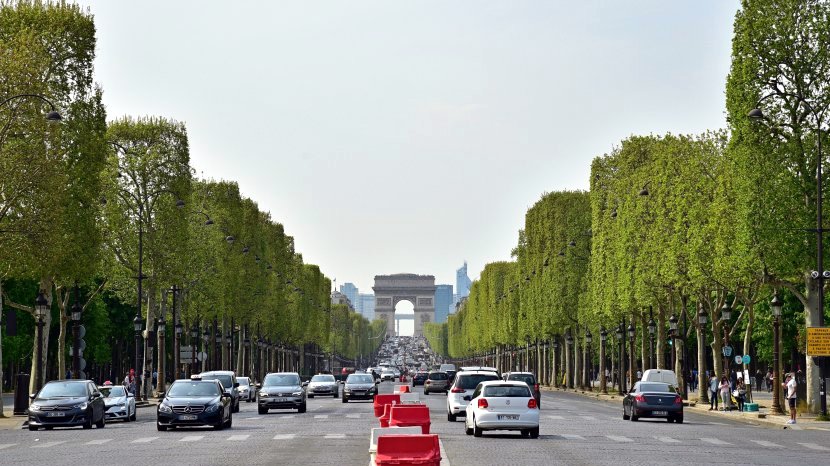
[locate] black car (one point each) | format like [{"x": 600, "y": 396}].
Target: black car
[
  {"x": 195, "y": 403},
  {"x": 530, "y": 380},
  {"x": 229, "y": 383},
  {"x": 281, "y": 390},
  {"x": 653, "y": 399},
  {"x": 359, "y": 387},
  {"x": 67, "y": 403},
  {"x": 419, "y": 378}
]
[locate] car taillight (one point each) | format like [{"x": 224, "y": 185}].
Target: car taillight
[
  {"x": 482, "y": 403},
  {"x": 457, "y": 390},
  {"x": 536, "y": 387},
  {"x": 531, "y": 403},
  {"x": 640, "y": 398},
  {"x": 678, "y": 400}
]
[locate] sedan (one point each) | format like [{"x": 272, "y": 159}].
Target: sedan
[
  {"x": 195, "y": 403},
  {"x": 247, "y": 389},
  {"x": 281, "y": 390},
  {"x": 120, "y": 404},
  {"x": 653, "y": 399},
  {"x": 322, "y": 384},
  {"x": 67, "y": 403},
  {"x": 498, "y": 405},
  {"x": 359, "y": 387}
]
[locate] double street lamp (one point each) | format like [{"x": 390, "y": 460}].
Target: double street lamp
[
  {"x": 652, "y": 327},
  {"x": 194, "y": 340},
  {"x": 776, "y": 305},
  {"x": 41, "y": 311},
  {"x": 632, "y": 335},
  {"x": 725, "y": 315}
]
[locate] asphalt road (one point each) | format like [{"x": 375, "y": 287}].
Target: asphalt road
[{"x": 574, "y": 431}]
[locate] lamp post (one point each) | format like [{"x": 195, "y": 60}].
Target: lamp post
[
  {"x": 162, "y": 331},
  {"x": 217, "y": 351},
  {"x": 206, "y": 359},
  {"x": 632, "y": 335},
  {"x": 621, "y": 369},
  {"x": 590, "y": 362},
  {"x": 569, "y": 340},
  {"x": 652, "y": 327},
  {"x": 603, "y": 384},
  {"x": 41, "y": 309},
  {"x": 53, "y": 115},
  {"x": 229, "y": 340},
  {"x": 138, "y": 323},
  {"x": 702, "y": 319},
  {"x": 177, "y": 342},
  {"x": 725, "y": 315},
  {"x": 194, "y": 342},
  {"x": 555, "y": 360},
  {"x": 76, "y": 335},
  {"x": 776, "y": 304},
  {"x": 672, "y": 336}
]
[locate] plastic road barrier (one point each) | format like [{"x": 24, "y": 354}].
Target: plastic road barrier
[
  {"x": 381, "y": 400},
  {"x": 410, "y": 398},
  {"x": 401, "y": 389},
  {"x": 408, "y": 449},
  {"x": 410, "y": 415}
]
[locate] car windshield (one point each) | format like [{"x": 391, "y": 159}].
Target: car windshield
[
  {"x": 526, "y": 378},
  {"x": 323, "y": 378},
  {"x": 275, "y": 380},
  {"x": 113, "y": 392},
  {"x": 65, "y": 389},
  {"x": 470, "y": 382},
  {"x": 188, "y": 389},
  {"x": 655, "y": 387},
  {"x": 438, "y": 376},
  {"x": 243, "y": 381},
  {"x": 225, "y": 380},
  {"x": 507, "y": 391},
  {"x": 360, "y": 379}
]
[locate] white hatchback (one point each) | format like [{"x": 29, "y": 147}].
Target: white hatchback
[
  {"x": 499, "y": 405},
  {"x": 464, "y": 384}
]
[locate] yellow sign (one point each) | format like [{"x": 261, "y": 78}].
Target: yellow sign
[{"x": 818, "y": 341}]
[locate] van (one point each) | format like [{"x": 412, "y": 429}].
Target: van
[
  {"x": 447, "y": 367},
  {"x": 660, "y": 375}
]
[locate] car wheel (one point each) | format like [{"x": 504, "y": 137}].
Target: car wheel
[
  {"x": 302, "y": 408},
  {"x": 534, "y": 432},
  {"x": 467, "y": 430},
  {"x": 88, "y": 423},
  {"x": 426, "y": 392},
  {"x": 100, "y": 424},
  {"x": 625, "y": 416},
  {"x": 633, "y": 417},
  {"x": 235, "y": 408},
  {"x": 477, "y": 432},
  {"x": 262, "y": 410},
  {"x": 132, "y": 418},
  {"x": 525, "y": 433},
  {"x": 160, "y": 427},
  {"x": 33, "y": 428},
  {"x": 229, "y": 424},
  {"x": 669, "y": 419},
  {"x": 679, "y": 420},
  {"x": 221, "y": 423},
  {"x": 335, "y": 395},
  {"x": 450, "y": 416},
  {"x": 345, "y": 400}
]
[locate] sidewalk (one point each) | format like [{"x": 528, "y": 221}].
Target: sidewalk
[{"x": 762, "y": 416}]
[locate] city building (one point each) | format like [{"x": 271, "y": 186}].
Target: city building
[
  {"x": 339, "y": 298},
  {"x": 462, "y": 283},
  {"x": 366, "y": 305},
  {"x": 351, "y": 292},
  {"x": 443, "y": 302}
]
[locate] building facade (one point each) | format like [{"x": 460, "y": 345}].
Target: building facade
[
  {"x": 350, "y": 290},
  {"x": 462, "y": 283},
  {"x": 366, "y": 305},
  {"x": 443, "y": 302}
]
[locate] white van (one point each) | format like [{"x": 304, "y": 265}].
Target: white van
[
  {"x": 447, "y": 367},
  {"x": 660, "y": 375}
]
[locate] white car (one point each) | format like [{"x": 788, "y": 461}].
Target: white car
[
  {"x": 246, "y": 391},
  {"x": 387, "y": 375},
  {"x": 498, "y": 405},
  {"x": 119, "y": 404},
  {"x": 463, "y": 385}
]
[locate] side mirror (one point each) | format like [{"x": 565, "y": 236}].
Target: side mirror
[
  {"x": 305, "y": 384},
  {"x": 236, "y": 385},
  {"x": 130, "y": 395},
  {"x": 377, "y": 382},
  {"x": 96, "y": 395},
  {"x": 467, "y": 398},
  {"x": 258, "y": 385},
  {"x": 32, "y": 396}
]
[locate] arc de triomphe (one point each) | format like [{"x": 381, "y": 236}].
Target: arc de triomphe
[{"x": 417, "y": 289}]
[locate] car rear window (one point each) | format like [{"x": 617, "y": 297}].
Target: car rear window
[
  {"x": 470, "y": 382},
  {"x": 509, "y": 391},
  {"x": 225, "y": 380},
  {"x": 655, "y": 387},
  {"x": 438, "y": 376},
  {"x": 526, "y": 378}
]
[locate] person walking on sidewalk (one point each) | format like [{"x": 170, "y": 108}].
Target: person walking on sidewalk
[
  {"x": 724, "y": 392},
  {"x": 769, "y": 380},
  {"x": 791, "y": 386},
  {"x": 130, "y": 382},
  {"x": 740, "y": 393},
  {"x": 713, "y": 392}
]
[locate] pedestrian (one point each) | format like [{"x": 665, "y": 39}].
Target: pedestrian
[
  {"x": 713, "y": 392},
  {"x": 155, "y": 377},
  {"x": 740, "y": 393},
  {"x": 759, "y": 377},
  {"x": 639, "y": 374},
  {"x": 791, "y": 386},
  {"x": 725, "y": 390},
  {"x": 130, "y": 382},
  {"x": 769, "y": 380}
]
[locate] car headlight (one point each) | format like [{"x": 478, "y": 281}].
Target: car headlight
[
  {"x": 263, "y": 393},
  {"x": 165, "y": 408},
  {"x": 81, "y": 406},
  {"x": 34, "y": 407},
  {"x": 212, "y": 408},
  {"x": 300, "y": 393},
  {"x": 347, "y": 390}
]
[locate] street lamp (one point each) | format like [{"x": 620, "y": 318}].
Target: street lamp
[
  {"x": 194, "y": 340},
  {"x": 569, "y": 340},
  {"x": 161, "y": 325},
  {"x": 603, "y": 336},
  {"x": 632, "y": 335},
  {"x": 138, "y": 323},
  {"x": 588, "y": 340},
  {"x": 555, "y": 360},
  {"x": 621, "y": 371},
  {"x": 41, "y": 310},
  {"x": 205, "y": 340},
  {"x": 652, "y": 327},
  {"x": 672, "y": 336},
  {"x": 217, "y": 348},
  {"x": 178, "y": 329},
  {"x": 726, "y": 314},
  {"x": 776, "y": 305},
  {"x": 76, "y": 336}
]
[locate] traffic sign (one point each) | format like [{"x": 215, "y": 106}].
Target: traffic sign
[
  {"x": 738, "y": 359},
  {"x": 818, "y": 341},
  {"x": 727, "y": 351},
  {"x": 747, "y": 359}
]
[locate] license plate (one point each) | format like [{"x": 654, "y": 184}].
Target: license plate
[
  {"x": 280, "y": 400},
  {"x": 659, "y": 413},
  {"x": 188, "y": 417},
  {"x": 55, "y": 414},
  {"x": 508, "y": 417}
]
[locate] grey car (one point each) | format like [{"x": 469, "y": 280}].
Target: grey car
[
  {"x": 281, "y": 390},
  {"x": 437, "y": 381},
  {"x": 322, "y": 385},
  {"x": 359, "y": 387},
  {"x": 653, "y": 399}
]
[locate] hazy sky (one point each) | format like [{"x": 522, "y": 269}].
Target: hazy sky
[{"x": 391, "y": 136}]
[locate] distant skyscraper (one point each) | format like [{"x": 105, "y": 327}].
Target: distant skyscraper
[
  {"x": 351, "y": 292},
  {"x": 462, "y": 282},
  {"x": 367, "y": 305},
  {"x": 443, "y": 302}
]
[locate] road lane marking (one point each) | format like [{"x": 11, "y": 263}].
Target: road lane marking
[
  {"x": 99, "y": 441},
  {"x": 813, "y": 446},
  {"x": 49, "y": 444},
  {"x": 764, "y": 443},
  {"x": 571, "y": 437},
  {"x": 251, "y": 418},
  {"x": 558, "y": 418},
  {"x": 321, "y": 416},
  {"x": 718, "y": 424},
  {"x": 284, "y": 436},
  {"x": 288, "y": 416},
  {"x": 667, "y": 440},
  {"x": 445, "y": 461},
  {"x": 144, "y": 440},
  {"x": 618, "y": 438},
  {"x": 588, "y": 418},
  {"x": 353, "y": 416},
  {"x": 335, "y": 436},
  {"x": 238, "y": 437},
  {"x": 714, "y": 441},
  {"x": 7, "y": 445},
  {"x": 191, "y": 438}
]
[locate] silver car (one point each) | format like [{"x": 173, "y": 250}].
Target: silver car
[
  {"x": 118, "y": 402},
  {"x": 322, "y": 384},
  {"x": 247, "y": 390}
]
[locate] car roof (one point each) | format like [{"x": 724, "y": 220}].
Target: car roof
[
  {"x": 505, "y": 383},
  {"x": 217, "y": 373},
  {"x": 282, "y": 373},
  {"x": 474, "y": 372}
]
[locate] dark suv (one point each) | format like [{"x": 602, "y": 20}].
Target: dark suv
[
  {"x": 281, "y": 390},
  {"x": 67, "y": 403},
  {"x": 419, "y": 378}
]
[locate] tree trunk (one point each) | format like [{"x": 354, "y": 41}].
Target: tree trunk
[
  {"x": 577, "y": 365},
  {"x": 659, "y": 343},
  {"x": 568, "y": 367},
  {"x": 812, "y": 318},
  {"x": 750, "y": 324},
  {"x": 1, "y": 352}
]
